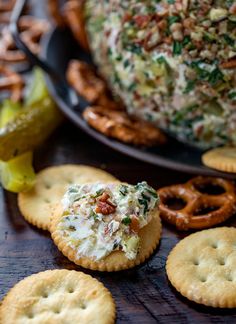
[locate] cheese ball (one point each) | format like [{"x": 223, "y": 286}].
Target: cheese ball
[{"x": 172, "y": 62}]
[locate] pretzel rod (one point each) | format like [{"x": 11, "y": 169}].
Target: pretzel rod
[
  {"x": 74, "y": 15},
  {"x": 219, "y": 207}
]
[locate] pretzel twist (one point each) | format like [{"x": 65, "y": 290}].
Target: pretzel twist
[
  {"x": 12, "y": 82},
  {"x": 82, "y": 77},
  {"x": 31, "y": 29},
  {"x": 218, "y": 207},
  {"x": 119, "y": 125}
]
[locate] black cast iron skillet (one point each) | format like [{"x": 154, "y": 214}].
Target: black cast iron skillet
[{"x": 58, "y": 48}]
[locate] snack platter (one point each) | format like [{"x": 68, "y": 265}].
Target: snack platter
[{"x": 94, "y": 233}]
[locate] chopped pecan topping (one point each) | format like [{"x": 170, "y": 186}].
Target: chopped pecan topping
[
  {"x": 229, "y": 64},
  {"x": 104, "y": 197},
  {"x": 104, "y": 206},
  {"x": 134, "y": 225}
]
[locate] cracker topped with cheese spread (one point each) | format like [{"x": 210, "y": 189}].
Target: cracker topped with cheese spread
[{"x": 107, "y": 227}]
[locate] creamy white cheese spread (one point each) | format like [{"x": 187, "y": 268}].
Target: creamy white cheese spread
[{"x": 100, "y": 218}]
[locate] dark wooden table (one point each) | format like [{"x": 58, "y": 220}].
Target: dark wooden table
[{"x": 143, "y": 294}]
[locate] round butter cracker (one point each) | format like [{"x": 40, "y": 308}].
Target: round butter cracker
[
  {"x": 222, "y": 159},
  {"x": 202, "y": 267},
  {"x": 58, "y": 296},
  {"x": 37, "y": 204},
  {"x": 116, "y": 260}
]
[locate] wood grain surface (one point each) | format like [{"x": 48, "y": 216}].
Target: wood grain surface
[{"x": 143, "y": 294}]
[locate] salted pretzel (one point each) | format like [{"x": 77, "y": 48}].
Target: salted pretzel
[
  {"x": 119, "y": 125},
  {"x": 31, "y": 29},
  {"x": 207, "y": 201},
  {"x": 11, "y": 82},
  {"x": 82, "y": 77},
  {"x": 74, "y": 15}
]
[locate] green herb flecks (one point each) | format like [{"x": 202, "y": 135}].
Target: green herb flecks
[
  {"x": 72, "y": 190},
  {"x": 134, "y": 48},
  {"x": 190, "y": 86},
  {"x": 210, "y": 38},
  {"x": 109, "y": 52},
  {"x": 152, "y": 193},
  {"x": 229, "y": 3},
  {"x": 144, "y": 203},
  {"x": 147, "y": 198},
  {"x": 202, "y": 73},
  {"x": 94, "y": 215},
  {"x": 132, "y": 87},
  {"x": 232, "y": 95},
  {"x": 215, "y": 77},
  {"x": 126, "y": 220},
  {"x": 126, "y": 63},
  {"x": 119, "y": 57},
  {"x": 123, "y": 190},
  {"x": 177, "y": 48},
  {"x": 186, "y": 40},
  {"x": 161, "y": 60},
  {"x": 230, "y": 41},
  {"x": 98, "y": 193},
  {"x": 181, "y": 116},
  {"x": 173, "y": 19}
]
